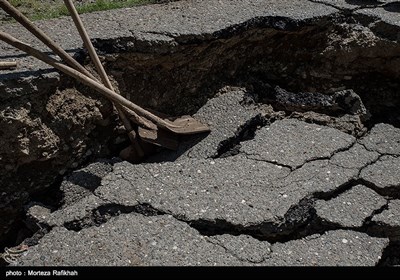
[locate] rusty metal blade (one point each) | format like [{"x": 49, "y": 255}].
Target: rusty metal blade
[
  {"x": 182, "y": 125},
  {"x": 188, "y": 125},
  {"x": 159, "y": 137}
]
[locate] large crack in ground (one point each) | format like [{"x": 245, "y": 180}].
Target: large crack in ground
[
  {"x": 334, "y": 56},
  {"x": 105, "y": 212},
  {"x": 300, "y": 222},
  {"x": 311, "y": 226},
  {"x": 332, "y": 72}
]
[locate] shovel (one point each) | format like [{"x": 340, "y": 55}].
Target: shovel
[
  {"x": 185, "y": 125},
  {"x": 24, "y": 21}
]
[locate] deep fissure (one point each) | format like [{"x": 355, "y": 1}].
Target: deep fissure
[{"x": 105, "y": 212}]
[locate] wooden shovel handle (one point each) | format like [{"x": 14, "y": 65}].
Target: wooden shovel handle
[
  {"x": 24, "y": 21},
  {"x": 86, "y": 80},
  {"x": 99, "y": 67},
  {"x": 88, "y": 43},
  {"x": 7, "y": 65}
]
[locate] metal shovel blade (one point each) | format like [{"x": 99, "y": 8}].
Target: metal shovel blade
[
  {"x": 159, "y": 137},
  {"x": 182, "y": 125},
  {"x": 187, "y": 125}
]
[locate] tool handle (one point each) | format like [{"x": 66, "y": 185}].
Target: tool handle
[
  {"x": 24, "y": 21},
  {"x": 5, "y": 65},
  {"x": 86, "y": 80},
  {"x": 95, "y": 59}
]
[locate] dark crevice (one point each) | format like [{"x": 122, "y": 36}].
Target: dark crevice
[
  {"x": 329, "y": 5},
  {"x": 340, "y": 150},
  {"x": 391, "y": 255},
  {"x": 335, "y": 104},
  {"x": 254, "y": 157},
  {"x": 380, "y": 229},
  {"x": 299, "y": 222},
  {"x": 297, "y": 217},
  {"x": 366, "y": 3},
  {"x": 313, "y": 71},
  {"x": 362, "y": 4},
  {"x": 22, "y": 231},
  {"x": 341, "y": 109},
  {"x": 392, "y": 7},
  {"x": 344, "y": 149},
  {"x": 321, "y": 226},
  {"x": 231, "y": 146},
  {"x": 104, "y": 213},
  {"x": 337, "y": 191},
  {"x": 389, "y": 192}
]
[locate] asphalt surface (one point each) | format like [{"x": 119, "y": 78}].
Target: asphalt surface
[
  {"x": 235, "y": 210},
  {"x": 169, "y": 24},
  {"x": 389, "y": 216},
  {"x": 351, "y": 208},
  {"x": 130, "y": 240},
  {"x": 254, "y": 205}
]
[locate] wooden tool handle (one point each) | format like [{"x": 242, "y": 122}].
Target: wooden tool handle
[{"x": 6, "y": 65}]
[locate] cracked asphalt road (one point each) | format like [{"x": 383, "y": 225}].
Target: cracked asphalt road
[
  {"x": 281, "y": 198},
  {"x": 235, "y": 210}
]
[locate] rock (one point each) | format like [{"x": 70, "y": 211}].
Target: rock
[
  {"x": 342, "y": 102},
  {"x": 299, "y": 101},
  {"x": 349, "y": 102}
]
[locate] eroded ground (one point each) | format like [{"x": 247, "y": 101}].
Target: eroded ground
[{"x": 301, "y": 165}]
